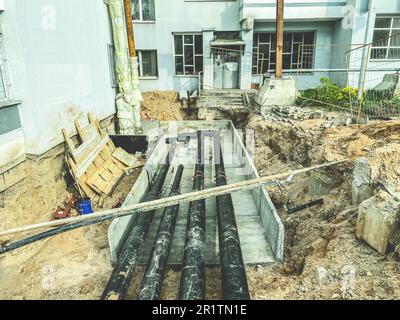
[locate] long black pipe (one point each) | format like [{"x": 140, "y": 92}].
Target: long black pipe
[
  {"x": 154, "y": 275},
  {"x": 233, "y": 273},
  {"x": 121, "y": 275},
  {"x": 50, "y": 233},
  {"x": 192, "y": 286}
]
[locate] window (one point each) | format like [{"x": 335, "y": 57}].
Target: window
[
  {"x": 147, "y": 63},
  {"x": 264, "y": 51},
  {"x": 188, "y": 54},
  {"x": 143, "y": 10},
  {"x": 112, "y": 63},
  {"x": 386, "y": 42},
  {"x": 4, "y": 83}
]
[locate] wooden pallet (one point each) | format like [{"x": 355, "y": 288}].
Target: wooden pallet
[{"x": 93, "y": 166}]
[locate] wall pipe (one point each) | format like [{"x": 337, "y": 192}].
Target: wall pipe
[
  {"x": 121, "y": 275},
  {"x": 154, "y": 275},
  {"x": 233, "y": 273},
  {"x": 192, "y": 286}
]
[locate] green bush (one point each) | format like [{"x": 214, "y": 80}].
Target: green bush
[{"x": 327, "y": 93}]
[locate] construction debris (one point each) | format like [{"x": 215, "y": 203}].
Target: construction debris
[{"x": 96, "y": 165}]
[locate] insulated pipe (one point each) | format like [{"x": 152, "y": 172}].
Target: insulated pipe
[
  {"x": 50, "y": 233},
  {"x": 233, "y": 273},
  {"x": 155, "y": 270},
  {"x": 121, "y": 276},
  {"x": 192, "y": 286}
]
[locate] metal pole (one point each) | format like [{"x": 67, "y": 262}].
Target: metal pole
[
  {"x": 155, "y": 270},
  {"x": 233, "y": 273},
  {"x": 366, "y": 51},
  {"x": 121, "y": 275},
  {"x": 279, "y": 37},
  {"x": 193, "y": 274},
  {"x": 129, "y": 28}
]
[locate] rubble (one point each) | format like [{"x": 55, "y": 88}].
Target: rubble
[{"x": 379, "y": 221}]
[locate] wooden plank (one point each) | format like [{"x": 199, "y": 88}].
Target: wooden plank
[{"x": 179, "y": 199}]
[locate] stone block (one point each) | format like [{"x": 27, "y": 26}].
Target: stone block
[
  {"x": 277, "y": 92},
  {"x": 361, "y": 185},
  {"x": 378, "y": 221}
]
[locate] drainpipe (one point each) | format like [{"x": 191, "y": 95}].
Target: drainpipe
[
  {"x": 366, "y": 52},
  {"x": 129, "y": 95},
  {"x": 134, "y": 66}
]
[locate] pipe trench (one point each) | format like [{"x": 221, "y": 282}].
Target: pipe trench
[{"x": 121, "y": 275}]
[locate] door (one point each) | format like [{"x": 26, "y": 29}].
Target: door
[{"x": 226, "y": 68}]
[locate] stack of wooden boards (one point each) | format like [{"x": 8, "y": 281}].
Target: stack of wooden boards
[{"x": 96, "y": 164}]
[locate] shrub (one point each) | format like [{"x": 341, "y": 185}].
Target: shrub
[{"x": 327, "y": 93}]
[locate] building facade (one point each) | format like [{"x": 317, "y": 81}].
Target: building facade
[{"x": 231, "y": 43}]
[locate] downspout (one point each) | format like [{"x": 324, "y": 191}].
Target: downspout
[
  {"x": 134, "y": 65},
  {"x": 369, "y": 33},
  {"x": 127, "y": 97}
]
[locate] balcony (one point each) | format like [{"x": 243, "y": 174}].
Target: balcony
[{"x": 264, "y": 10}]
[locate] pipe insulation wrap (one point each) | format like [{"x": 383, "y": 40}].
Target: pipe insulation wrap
[
  {"x": 233, "y": 273},
  {"x": 192, "y": 286}
]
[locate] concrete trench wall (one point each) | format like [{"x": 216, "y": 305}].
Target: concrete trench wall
[{"x": 269, "y": 219}]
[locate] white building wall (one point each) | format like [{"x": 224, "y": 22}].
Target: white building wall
[
  {"x": 58, "y": 64},
  {"x": 181, "y": 16}
]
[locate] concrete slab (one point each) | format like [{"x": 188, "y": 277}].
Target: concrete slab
[{"x": 276, "y": 92}]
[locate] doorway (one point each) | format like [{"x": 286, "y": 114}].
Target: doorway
[{"x": 226, "y": 68}]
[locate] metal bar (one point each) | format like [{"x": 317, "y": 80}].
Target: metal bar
[
  {"x": 192, "y": 286},
  {"x": 154, "y": 275},
  {"x": 121, "y": 275},
  {"x": 279, "y": 37},
  {"x": 129, "y": 28},
  {"x": 233, "y": 273}
]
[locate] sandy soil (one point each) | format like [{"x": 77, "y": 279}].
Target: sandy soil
[
  {"x": 324, "y": 236},
  {"x": 73, "y": 265},
  {"x": 76, "y": 265},
  {"x": 162, "y": 106}
]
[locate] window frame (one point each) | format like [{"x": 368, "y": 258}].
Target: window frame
[
  {"x": 112, "y": 65},
  {"x": 183, "y": 34},
  {"x": 141, "y": 13},
  {"x": 272, "y": 50},
  {"x": 4, "y": 79},
  {"x": 140, "y": 60},
  {"x": 388, "y": 46}
]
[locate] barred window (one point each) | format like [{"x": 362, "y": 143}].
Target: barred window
[
  {"x": 188, "y": 51},
  {"x": 264, "y": 51},
  {"x": 386, "y": 42},
  {"x": 143, "y": 10}
]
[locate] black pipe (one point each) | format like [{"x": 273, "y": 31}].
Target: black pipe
[
  {"x": 50, "y": 233},
  {"x": 121, "y": 275},
  {"x": 233, "y": 273},
  {"x": 154, "y": 275},
  {"x": 304, "y": 206},
  {"x": 192, "y": 286}
]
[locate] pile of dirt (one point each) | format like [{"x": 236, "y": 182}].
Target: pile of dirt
[
  {"x": 161, "y": 106},
  {"x": 72, "y": 265},
  {"x": 323, "y": 257}
]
